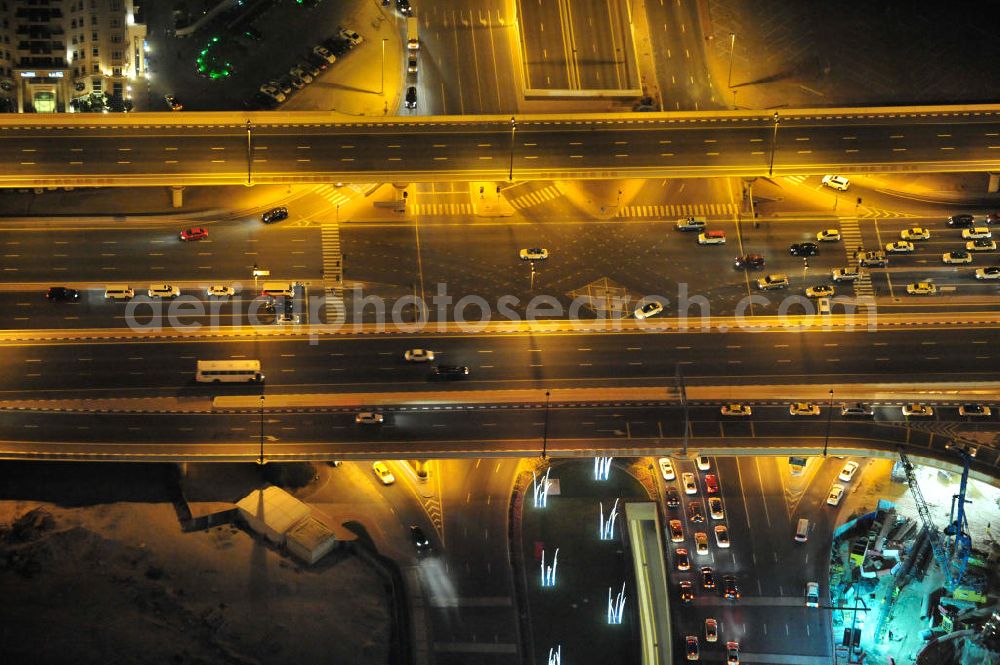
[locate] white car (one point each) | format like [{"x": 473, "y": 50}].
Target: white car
[
  {"x": 273, "y": 92},
  {"x": 771, "y": 282},
  {"x": 899, "y": 247},
  {"x": 835, "y": 495},
  {"x": 703, "y": 463},
  {"x": 667, "y": 468},
  {"x": 958, "y": 256},
  {"x": 220, "y": 291},
  {"x": 829, "y": 235},
  {"x": 989, "y": 272},
  {"x": 847, "y": 473},
  {"x": 722, "y": 536},
  {"x": 690, "y": 485},
  {"x": 976, "y": 232},
  {"x": 324, "y": 53},
  {"x": 981, "y": 245},
  {"x": 845, "y": 274},
  {"x": 716, "y": 509},
  {"x": 369, "y": 418},
  {"x": 803, "y": 409},
  {"x": 350, "y": 36},
  {"x": 649, "y": 309},
  {"x": 534, "y": 254},
  {"x": 301, "y": 73},
  {"x": 837, "y": 182},
  {"x": 418, "y": 356},
  {"x": 918, "y": 410},
  {"x": 915, "y": 233},
  {"x": 921, "y": 289},
  {"x": 736, "y": 409},
  {"x": 712, "y": 238},
  {"x": 812, "y": 594},
  {"x": 163, "y": 291},
  {"x": 701, "y": 542},
  {"x": 383, "y": 473}
]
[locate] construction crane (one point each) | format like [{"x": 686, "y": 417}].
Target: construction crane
[{"x": 951, "y": 554}]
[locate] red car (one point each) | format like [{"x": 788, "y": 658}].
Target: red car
[
  {"x": 711, "y": 484},
  {"x": 196, "y": 233}
]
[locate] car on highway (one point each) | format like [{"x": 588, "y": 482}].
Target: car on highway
[
  {"x": 667, "y": 468},
  {"x": 837, "y": 182},
  {"x": 691, "y": 647},
  {"x": 450, "y": 372},
  {"x": 411, "y": 98},
  {"x": 383, "y": 473},
  {"x": 835, "y": 495},
  {"x": 957, "y": 256},
  {"x": 220, "y": 291},
  {"x": 403, "y": 7},
  {"x": 749, "y": 262},
  {"x": 960, "y": 221},
  {"x": 411, "y": 63},
  {"x": 118, "y": 292},
  {"x": 899, "y": 247},
  {"x": 62, "y": 294},
  {"x": 975, "y": 410},
  {"x": 993, "y": 218},
  {"x": 274, "y": 215},
  {"x": 648, "y": 310},
  {"x": 989, "y": 272},
  {"x": 857, "y": 409},
  {"x": 730, "y": 589},
  {"x": 772, "y": 282},
  {"x": 715, "y": 508},
  {"x": 696, "y": 514},
  {"x": 921, "y": 289},
  {"x": 848, "y": 274},
  {"x": 732, "y": 653},
  {"x": 676, "y": 531},
  {"x": 172, "y": 103},
  {"x": 918, "y": 410},
  {"x": 915, "y": 233},
  {"x": 736, "y": 409},
  {"x": 681, "y": 559},
  {"x": 689, "y": 482},
  {"x": 712, "y": 238},
  {"x": 872, "y": 259},
  {"x": 711, "y": 484},
  {"x": 812, "y": 594},
  {"x": 672, "y": 497},
  {"x": 701, "y": 542},
  {"x": 819, "y": 291},
  {"x": 711, "y": 630},
  {"x": 707, "y": 578},
  {"x": 419, "y": 538},
  {"x": 703, "y": 462},
  {"x": 534, "y": 254},
  {"x": 828, "y": 235},
  {"x": 163, "y": 291},
  {"x": 982, "y": 245},
  {"x": 803, "y": 409},
  {"x": 977, "y": 232},
  {"x": 686, "y": 592},
  {"x": 722, "y": 535},
  {"x": 847, "y": 473},
  {"x": 418, "y": 356},
  {"x": 194, "y": 233},
  {"x": 803, "y": 249},
  {"x": 349, "y": 35},
  {"x": 369, "y": 418},
  {"x": 691, "y": 224}
]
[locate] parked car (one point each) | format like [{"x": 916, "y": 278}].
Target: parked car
[
  {"x": 172, "y": 103},
  {"x": 324, "y": 53},
  {"x": 349, "y": 35},
  {"x": 648, "y": 309}
]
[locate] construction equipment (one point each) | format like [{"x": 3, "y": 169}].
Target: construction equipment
[{"x": 951, "y": 553}]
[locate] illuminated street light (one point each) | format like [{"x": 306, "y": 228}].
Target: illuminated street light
[
  {"x": 513, "y": 128},
  {"x": 261, "y": 459},
  {"x": 829, "y": 416},
  {"x": 774, "y": 145},
  {"x": 732, "y": 45}
]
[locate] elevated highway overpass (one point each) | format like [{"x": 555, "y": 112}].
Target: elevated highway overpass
[{"x": 312, "y": 147}]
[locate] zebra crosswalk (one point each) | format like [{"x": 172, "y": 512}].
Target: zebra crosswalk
[
  {"x": 679, "y": 210},
  {"x": 441, "y": 209},
  {"x": 336, "y": 196},
  {"x": 850, "y": 232},
  {"x": 333, "y": 272},
  {"x": 535, "y": 198}
]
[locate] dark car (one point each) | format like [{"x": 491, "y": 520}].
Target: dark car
[
  {"x": 686, "y": 592},
  {"x": 411, "y": 97},
  {"x": 310, "y": 67},
  {"x": 707, "y": 578},
  {"x": 404, "y": 7},
  {"x": 749, "y": 261},
  {"x": 274, "y": 215},
  {"x": 730, "y": 590},
  {"x": 672, "y": 497},
  {"x": 316, "y": 61},
  {"x": 961, "y": 221},
  {"x": 62, "y": 294},
  {"x": 451, "y": 371},
  {"x": 993, "y": 218},
  {"x": 804, "y": 249},
  {"x": 420, "y": 540},
  {"x": 695, "y": 512},
  {"x": 337, "y": 46}
]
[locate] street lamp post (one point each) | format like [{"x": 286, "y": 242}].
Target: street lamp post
[
  {"x": 382, "y": 89},
  {"x": 732, "y": 46},
  {"x": 249, "y": 154},
  {"x": 774, "y": 145},
  {"x": 531, "y": 286},
  {"x": 261, "y": 459},
  {"x": 545, "y": 428},
  {"x": 513, "y": 128},
  {"x": 829, "y": 419}
]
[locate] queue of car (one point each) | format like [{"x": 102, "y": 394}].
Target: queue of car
[{"x": 308, "y": 68}]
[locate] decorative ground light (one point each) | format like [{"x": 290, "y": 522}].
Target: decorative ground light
[{"x": 211, "y": 63}]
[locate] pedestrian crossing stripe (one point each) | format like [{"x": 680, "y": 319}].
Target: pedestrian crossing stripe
[
  {"x": 850, "y": 234},
  {"x": 333, "y": 273},
  {"x": 797, "y": 179},
  {"x": 536, "y": 197},
  {"x": 334, "y": 195},
  {"x": 680, "y": 210},
  {"x": 441, "y": 209}
]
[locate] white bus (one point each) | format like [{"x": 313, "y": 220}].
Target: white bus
[
  {"x": 229, "y": 371},
  {"x": 412, "y": 38}
]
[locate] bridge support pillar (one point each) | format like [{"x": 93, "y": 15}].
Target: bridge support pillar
[
  {"x": 177, "y": 196},
  {"x": 420, "y": 467},
  {"x": 994, "y": 183}
]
